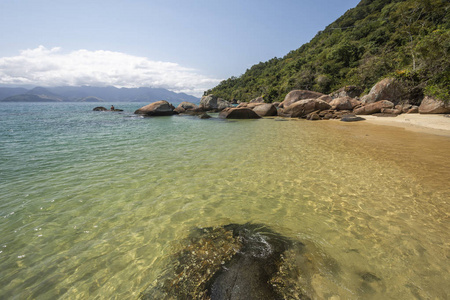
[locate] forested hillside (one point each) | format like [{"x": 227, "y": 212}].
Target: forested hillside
[{"x": 407, "y": 39}]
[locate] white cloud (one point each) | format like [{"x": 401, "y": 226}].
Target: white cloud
[{"x": 52, "y": 67}]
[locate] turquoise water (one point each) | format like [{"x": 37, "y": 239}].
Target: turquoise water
[{"x": 92, "y": 204}]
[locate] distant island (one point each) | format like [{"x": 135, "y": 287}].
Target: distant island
[{"x": 92, "y": 94}]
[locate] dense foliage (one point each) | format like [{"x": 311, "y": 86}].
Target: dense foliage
[{"x": 408, "y": 39}]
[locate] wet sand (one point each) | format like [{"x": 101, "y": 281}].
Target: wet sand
[{"x": 434, "y": 124}]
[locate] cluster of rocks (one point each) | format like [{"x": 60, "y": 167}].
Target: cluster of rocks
[
  {"x": 164, "y": 108},
  {"x": 209, "y": 103},
  {"x": 384, "y": 99}
]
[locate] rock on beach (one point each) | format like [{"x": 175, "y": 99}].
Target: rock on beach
[
  {"x": 344, "y": 103},
  {"x": 433, "y": 106},
  {"x": 302, "y": 108},
  {"x": 373, "y": 108},
  {"x": 213, "y": 103},
  {"x": 265, "y": 110},
  {"x": 386, "y": 89},
  {"x": 238, "y": 113},
  {"x": 298, "y": 95}
]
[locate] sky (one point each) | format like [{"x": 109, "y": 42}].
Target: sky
[{"x": 185, "y": 46}]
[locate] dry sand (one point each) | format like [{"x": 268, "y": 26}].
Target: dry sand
[{"x": 434, "y": 124}]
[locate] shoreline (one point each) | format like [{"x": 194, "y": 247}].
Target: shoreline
[{"x": 436, "y": 124}]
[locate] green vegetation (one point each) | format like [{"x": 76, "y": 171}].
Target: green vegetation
[{"x": 407, "y": 39}]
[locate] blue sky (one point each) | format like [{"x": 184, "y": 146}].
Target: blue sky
[{"x": 184, "y": 46}]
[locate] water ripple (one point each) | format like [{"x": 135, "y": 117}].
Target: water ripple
[{"x": 93, "y": 204}]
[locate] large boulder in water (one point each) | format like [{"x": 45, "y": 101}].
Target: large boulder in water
[
  {"x": 212, "y": 102},
  {"x": 297, "y": 95},
  {"x": 238, "y": 113},
  {"x": 434, "y": 106},
  {"x": 159, "y": 108},
  {"x": 100, "y": 108}
]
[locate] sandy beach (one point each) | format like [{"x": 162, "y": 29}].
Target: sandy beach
[{"x": 433, "y": 124}]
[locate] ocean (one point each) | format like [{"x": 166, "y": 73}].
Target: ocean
[{"x": 94, "y": 204}]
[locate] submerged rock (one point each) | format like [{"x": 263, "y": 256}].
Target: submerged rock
[
  {"x": 247, "y": 261},
  {"x": 249, "y": 272}
]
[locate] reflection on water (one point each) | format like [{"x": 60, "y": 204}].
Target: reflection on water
[{"x": 96, "y": 208}]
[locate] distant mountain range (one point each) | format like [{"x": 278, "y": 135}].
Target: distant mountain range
[{"x": 92, "y": 94}]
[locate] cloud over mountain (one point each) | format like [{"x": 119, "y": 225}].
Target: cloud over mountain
[{"x": 53, "y": 67}]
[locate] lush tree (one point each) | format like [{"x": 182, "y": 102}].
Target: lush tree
[{"x": 378, "y": 38}]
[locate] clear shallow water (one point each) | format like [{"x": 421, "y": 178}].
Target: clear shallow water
[{"x": 92, "y": 204}]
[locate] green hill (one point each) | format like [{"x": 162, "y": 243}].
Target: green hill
[
  {"x": 407, "y": 39},
  {"x": 30, "y": 98}
]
